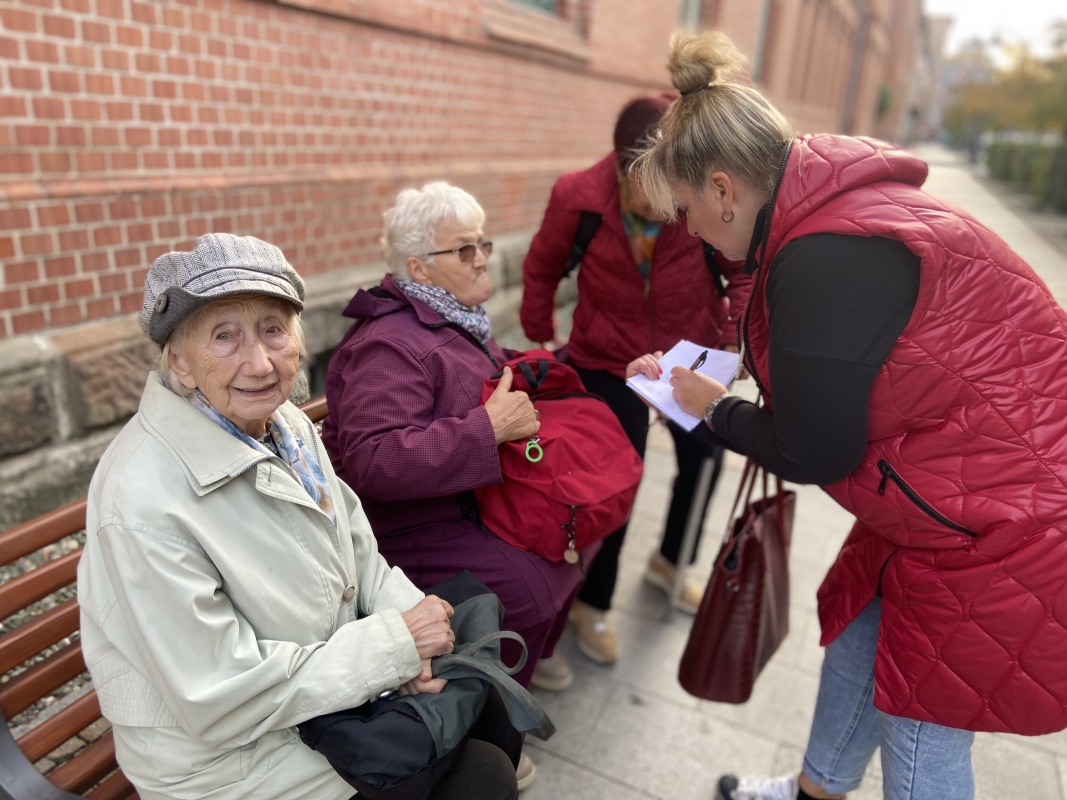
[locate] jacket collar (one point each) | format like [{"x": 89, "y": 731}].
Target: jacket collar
[
  {"x": 388, "y": 298},
  {"x": 209, "y": 456}
]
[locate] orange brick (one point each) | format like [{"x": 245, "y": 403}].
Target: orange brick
[
  {"x": 59, "y": 26},
  {"x": 97, "y": 309},
  {"x": 42, "y": 51},
  {"x": 22, "y": 272},
  {"x": 52, "y": 216},
  {"x": 81, "y": 287},
  {"x": 22, "y": 78},
  {"x": 12, "y": 218},
  {"x": 65, "y": 315},
  {"x": 28, "y": 322},
  {"x": 36, "y": 295},
  {"x": 59, "y": 267}
]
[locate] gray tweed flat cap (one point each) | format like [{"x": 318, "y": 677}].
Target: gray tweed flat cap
[{"x": 219, "y": 266}]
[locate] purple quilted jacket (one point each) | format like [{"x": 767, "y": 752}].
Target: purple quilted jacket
[{"x": 408, "y": 433}]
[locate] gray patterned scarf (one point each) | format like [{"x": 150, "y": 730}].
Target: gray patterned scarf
[{"x": 473, "y": 320}]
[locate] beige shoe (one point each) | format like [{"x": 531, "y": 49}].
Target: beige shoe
[
  {"x": 661, "y": 573},
  {"x": 526, "y": 772},
  {"x": 596, "y": 635},
  {"x": 553, "y": 674}
]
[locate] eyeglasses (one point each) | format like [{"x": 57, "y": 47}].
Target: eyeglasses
[{"x": 466, "y": 251}]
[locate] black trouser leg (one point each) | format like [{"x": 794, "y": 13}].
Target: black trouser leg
[
  {"x": 482, "y": 772},
  {"x": 599, "y": 583},
  {"x": 691, "y": 455}
]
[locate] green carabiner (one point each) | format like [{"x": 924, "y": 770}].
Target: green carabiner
[{"x": 532, "y": 446}]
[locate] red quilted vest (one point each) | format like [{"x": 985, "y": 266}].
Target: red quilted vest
[{"x": 961, "y": 497}]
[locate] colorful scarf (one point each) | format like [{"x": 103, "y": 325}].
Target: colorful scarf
[
  {"x": 474, "y": 321},
  {"x": 642, "y": 233},
  {"x": 291, "y": 450}
]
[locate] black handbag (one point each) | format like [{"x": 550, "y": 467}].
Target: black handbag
[{"x": 399, "y": 748}]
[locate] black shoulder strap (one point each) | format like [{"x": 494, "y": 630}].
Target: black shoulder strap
[
  {"x": 716, "y": 273},
  {"x": 588, "y": 225}
]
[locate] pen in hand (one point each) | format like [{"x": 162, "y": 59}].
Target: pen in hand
[{"x": 700, "y": 361}]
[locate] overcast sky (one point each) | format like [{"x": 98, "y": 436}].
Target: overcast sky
[{"x": 1010, "y": 19}]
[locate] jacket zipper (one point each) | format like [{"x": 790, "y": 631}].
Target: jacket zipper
[{"x": 890, "y": 474}]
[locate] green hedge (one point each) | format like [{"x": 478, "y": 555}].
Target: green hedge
[{"x": 1039, "y": 169}]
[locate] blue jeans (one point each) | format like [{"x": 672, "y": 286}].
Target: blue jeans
[{"x": 920, "y": 760}]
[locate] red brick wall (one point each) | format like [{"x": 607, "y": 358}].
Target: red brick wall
[{"x": 128, "y": 128}]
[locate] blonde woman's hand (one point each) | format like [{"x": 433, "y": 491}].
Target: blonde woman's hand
[
  {"x": 511, "y": 414},
  {"x": 694, "y": 390},
  {"x": 647, "y": 365}
]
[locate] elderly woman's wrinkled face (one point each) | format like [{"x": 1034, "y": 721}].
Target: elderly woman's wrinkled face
[
  {"x": 469, "y": 282},
  {"x": 242, "y": 353}
]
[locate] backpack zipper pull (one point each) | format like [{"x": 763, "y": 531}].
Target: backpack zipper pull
[{"x": 534, "y": 453}]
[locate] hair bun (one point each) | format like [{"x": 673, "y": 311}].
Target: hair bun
[{"x": 700, "y": 59}]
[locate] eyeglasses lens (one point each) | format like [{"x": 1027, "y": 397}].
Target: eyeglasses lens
[{"x": 466, "y": 252}]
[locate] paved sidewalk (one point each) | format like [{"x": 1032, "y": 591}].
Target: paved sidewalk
[{"x": 630, "y": 731}]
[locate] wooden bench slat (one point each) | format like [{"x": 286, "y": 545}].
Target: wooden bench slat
[
  {"x": 41, "y": 679},
  {"x": 20, "y": 592},
  {"x": 33, "y": 637},
  {"x": 114, "y": 787},
  {"x": 315, "y": 409},
  {"x": 50, "y": 734},
  {"x": 87, "y": 768},
  {"x": 44, "y": 530}
]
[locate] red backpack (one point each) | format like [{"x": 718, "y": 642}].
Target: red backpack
[{"x": 574, "y": 481}]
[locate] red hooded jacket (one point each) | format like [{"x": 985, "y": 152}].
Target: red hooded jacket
[
  {"x": 615, "y": 320},
  {"x": 961, "y": 497}
]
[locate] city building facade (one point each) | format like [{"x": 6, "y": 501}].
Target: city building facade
[{"x": 128, "y": 128}]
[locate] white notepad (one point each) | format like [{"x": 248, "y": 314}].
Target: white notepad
[{"x": 720, "y": 365}]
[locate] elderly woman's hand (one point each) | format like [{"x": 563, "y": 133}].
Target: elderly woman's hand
[
  {"x": 426, "y": 683},
  {"x": 694, "y": 390},
  {"x": 428, "y": 625},
  {"x": 511, "y": 414}
]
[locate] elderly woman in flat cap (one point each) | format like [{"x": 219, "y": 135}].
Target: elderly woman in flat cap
[{"x": 231, "y": 587}]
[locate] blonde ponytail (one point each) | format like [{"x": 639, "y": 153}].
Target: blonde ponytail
[{"x": 715, "y": 125}]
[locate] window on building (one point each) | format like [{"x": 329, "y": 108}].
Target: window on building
[{"x": 551, "y": 6}]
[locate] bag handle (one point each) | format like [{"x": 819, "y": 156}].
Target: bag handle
[
  {"x": 474, "y": 647},
  {"x": 534, "y": 382}
]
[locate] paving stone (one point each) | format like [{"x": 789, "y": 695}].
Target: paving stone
[
  {"x": 668, "y": 751},
  {"x": 782, "y": 704},
  {"x": 559, "y": 779},
  {"x": 649, "y": 652},
  {"x": 1005, "y": 768},
  {"x": 575, "y": 711}
]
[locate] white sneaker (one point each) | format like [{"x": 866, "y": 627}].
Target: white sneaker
[
  {"x": 733, "y": 788},
  {"x": 526, "y": 772}
]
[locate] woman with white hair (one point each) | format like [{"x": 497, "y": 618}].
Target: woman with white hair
[
  {"x": 230, "y": 587},
  {"x": 408, "y": 431}
]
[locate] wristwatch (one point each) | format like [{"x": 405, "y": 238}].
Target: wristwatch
[{"x": 709, "y": 409}]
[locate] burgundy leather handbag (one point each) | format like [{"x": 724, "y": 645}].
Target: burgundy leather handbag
[{"x": 744, "y": 615}]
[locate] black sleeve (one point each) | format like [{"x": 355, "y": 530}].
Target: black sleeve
[{"x": 836, "y": 305}]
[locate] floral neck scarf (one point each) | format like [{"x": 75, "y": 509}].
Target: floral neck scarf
[
  {"x": 642, "y": 233},
  {"x": 474, "y": 321},
  {"x": 291, "y": 450}
]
